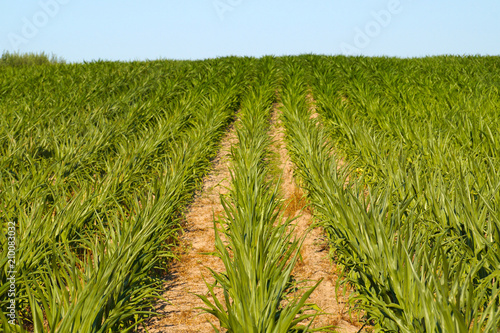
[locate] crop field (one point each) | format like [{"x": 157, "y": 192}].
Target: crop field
[{"x": 397, "y": 162}]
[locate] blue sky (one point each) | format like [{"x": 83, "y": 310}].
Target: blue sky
[{"x": 80, "y": 30}]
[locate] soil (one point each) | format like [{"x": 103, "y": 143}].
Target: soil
[{"x": 315, "y": 263}]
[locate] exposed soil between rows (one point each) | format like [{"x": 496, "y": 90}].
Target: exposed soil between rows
[
  {"x": 315, "y": 263},
  {"x": 179, "y": 314},
  {"x": 186, "y": 278}
]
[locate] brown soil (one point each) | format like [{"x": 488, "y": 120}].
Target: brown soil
[
  {"x": 186, "y": 278},
  {"x": 315, "y": 263}
]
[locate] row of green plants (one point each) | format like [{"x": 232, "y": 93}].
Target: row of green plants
[
  {"x": 402, "y": 171},
  {"x": 253, "y": 239},
  {"x": 16, "y": 59},
  {"x": 97, "y": 162}
]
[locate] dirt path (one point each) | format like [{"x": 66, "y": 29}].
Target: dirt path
[
  {"x": 186, "y": 274},
  {"x": 316, "y": 263}
]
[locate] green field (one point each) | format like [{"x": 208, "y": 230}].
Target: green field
[{"x": 401, "y": 166}]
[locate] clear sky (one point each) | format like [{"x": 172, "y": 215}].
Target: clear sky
[{"x": 80, "y": 30}]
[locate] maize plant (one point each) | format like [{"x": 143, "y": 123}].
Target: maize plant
[
  {"x": 254, "y": 241},
  {"x": 97, "y": 164},
  {"x": 412, "y": 209}
]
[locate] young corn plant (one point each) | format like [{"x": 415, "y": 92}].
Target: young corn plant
[
  {"x": 253, "y": 239},
  {"x": 408, "y": 219},
  {"x": 95, "y": 172}
]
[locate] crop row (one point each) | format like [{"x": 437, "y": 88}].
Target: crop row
[
  {"x": 403, "y": 172},
  {"x": 254, "y": 241},
  {"x": 97, "y": 162}
]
